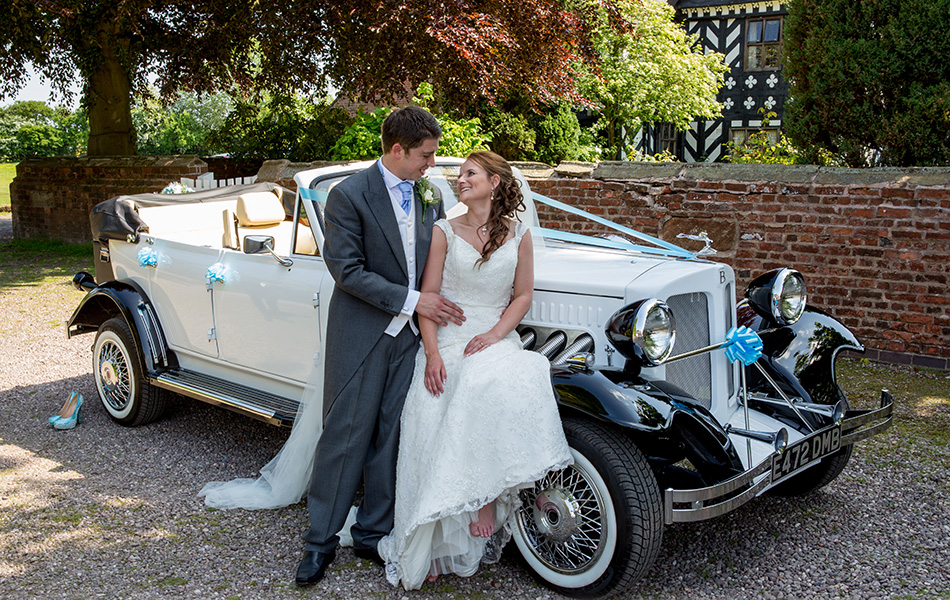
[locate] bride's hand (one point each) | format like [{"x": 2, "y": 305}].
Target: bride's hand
[
  {"x": 480, "y": 342},
  {"x": 435, "y": 375}
]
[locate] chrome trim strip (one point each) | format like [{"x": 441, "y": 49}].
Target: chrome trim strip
[
  {"x": 852, "y": 424},
  {"x": 864, "y": 417},
  {"x": 264, "y": 406},
  {"x": 158, "y": 333},
  {"x": 857, "y": 436},
  {"x": 147, "y": 325},
  {"x": 689, "y": 515}
]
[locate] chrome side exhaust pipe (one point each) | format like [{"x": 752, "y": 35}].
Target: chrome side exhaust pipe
[
  {"x": 528, "y": 338},
  {"x": 553, "y": 345},
  {"x": 778, "y": 439},
  {"x": 583, "y": 343}
]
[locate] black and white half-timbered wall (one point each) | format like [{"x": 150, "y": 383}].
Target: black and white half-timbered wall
[{"x": 750, "y": 35}]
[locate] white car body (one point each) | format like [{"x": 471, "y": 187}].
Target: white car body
[{"x": 179, "y": 306}]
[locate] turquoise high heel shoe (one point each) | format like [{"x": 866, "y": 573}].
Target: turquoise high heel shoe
[
  {"x": 73, "y": 419},
  {"x": 67, "y": 408}
]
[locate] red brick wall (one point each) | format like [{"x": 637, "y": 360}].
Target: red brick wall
[
  {"x": 51, "y": 197},
  {"x": 874, "y": 245}
]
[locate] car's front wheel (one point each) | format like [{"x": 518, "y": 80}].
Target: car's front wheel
[
  {"x": 117, "y": 367},
  {"x": 596, "y": 527}
]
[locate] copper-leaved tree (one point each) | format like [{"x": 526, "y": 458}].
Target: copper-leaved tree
[{"x": 373, "y": 49}]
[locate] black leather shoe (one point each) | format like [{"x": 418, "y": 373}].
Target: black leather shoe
[
  {"x": 369, "y": 554},
  {"x": 313, "y": 566}
]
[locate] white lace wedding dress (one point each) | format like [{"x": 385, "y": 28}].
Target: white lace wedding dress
[{"x": 494, "y": 430}]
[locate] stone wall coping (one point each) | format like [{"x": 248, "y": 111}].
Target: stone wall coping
[
  {"x": 282, "y": 171},
  {"x": 533, "y": 170},
  {"x": 899, "y": 176},
  {"x": 811, "y": 174},
  {"x": 113, "y": 162}
]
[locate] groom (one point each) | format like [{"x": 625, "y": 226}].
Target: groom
[{"x": 377, "y": 241}]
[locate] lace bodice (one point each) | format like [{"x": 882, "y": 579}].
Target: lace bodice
[{"x": 482, "y": 292}]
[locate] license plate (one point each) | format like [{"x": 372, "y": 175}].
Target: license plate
[{"x": 806, "y": 451}]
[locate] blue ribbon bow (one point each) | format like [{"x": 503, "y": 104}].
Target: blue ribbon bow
[
  {"x": 218, "y": 272},
  {"x": 148, "y": 257},
  {"x": 743, "y": 344}
]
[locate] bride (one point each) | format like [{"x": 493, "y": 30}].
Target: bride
[{"x": 480, "y": 420}]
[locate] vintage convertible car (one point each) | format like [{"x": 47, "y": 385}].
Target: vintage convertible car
[{"x": 221, "y": 296}]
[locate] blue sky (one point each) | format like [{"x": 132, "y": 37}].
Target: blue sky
[{"x": 39, "y": 90}]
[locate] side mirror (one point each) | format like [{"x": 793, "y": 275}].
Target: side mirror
[
  {"x": 258, "y": 244},
  {"x": 264, "y": 244}
]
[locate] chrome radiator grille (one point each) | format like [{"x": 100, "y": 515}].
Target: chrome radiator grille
[{"x": 693, "y": 375}]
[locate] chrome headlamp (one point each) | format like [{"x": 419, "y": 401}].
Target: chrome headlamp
[
  {"x": 778, "y": 295},
  {"x": 644, "y": 331}
]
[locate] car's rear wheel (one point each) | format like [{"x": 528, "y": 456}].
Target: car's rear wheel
[
  {"x": 596, "y": 527},
  {"x": 117, "y": 367}
]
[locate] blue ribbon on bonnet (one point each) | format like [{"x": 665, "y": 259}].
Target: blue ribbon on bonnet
[{"x": 743, "y": 344}]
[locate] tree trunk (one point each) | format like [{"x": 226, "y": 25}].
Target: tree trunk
[{"x": 109, "y": 97}]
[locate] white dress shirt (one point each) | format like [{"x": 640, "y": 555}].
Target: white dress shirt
[{"x": 407, "y": 231}]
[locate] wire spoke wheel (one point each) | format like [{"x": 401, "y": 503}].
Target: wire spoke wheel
[
  {"x": 118, "y": 371},
  {"x": 595, "y": 527}
]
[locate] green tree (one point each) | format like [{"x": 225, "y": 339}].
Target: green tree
[
  {"x": 33, "y": 128},
  {"x": 869, "y": 81},
  {"x": 372, "y": 49},
  {"x": 654, "y": 73},
  {"x": 184, "y": 127},
  {"x": 558, "y": 135},
  {"x": 281, "y": 126},
  {"x": 362, "y": 139},
  {"x": 511, "y": 135},
  {"x": 765, "y": 146}
]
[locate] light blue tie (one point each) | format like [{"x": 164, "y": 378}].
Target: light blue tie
[{"x": 406, "y": 188}]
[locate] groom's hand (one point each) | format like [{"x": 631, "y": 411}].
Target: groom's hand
[{"x": 436, "y": 308}]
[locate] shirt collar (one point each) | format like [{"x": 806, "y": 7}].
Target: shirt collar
[{"x": 389, "y": 179}]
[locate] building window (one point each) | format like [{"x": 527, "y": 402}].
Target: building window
[
  {"x": 741, "y": 136},
  {"x": 665, "y": 138},
  {"x": 763, "y": 44}
]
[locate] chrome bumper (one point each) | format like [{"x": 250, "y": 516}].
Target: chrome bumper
[{"x": 684, "y": 506}]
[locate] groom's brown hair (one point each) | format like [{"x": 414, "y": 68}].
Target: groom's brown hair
[{"x": 409, "y": 127}]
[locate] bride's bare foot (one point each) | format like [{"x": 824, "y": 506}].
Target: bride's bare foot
[
  {"x": 433, "y": 574},
  {"x": 485, "y": 525}
]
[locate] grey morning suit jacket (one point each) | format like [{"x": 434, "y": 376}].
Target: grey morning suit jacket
[{"x": 364, "y": 254}]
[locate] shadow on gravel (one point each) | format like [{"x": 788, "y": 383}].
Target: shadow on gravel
[
  {"x": 34, "y": 262},
  {"x": 192, "y": 439}
]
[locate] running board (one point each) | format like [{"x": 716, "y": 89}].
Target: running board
[{"x": 264, "y": 406}]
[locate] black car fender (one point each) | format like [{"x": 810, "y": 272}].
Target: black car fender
[
  {"x": 665, "y": 428},
  {"x": 127, "y": 300},
  {"x": 799, "y": 357}
]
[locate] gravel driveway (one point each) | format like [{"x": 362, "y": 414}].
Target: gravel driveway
[
  {"x": 104, "y": 511},
  {"x": 6, "y": 226}
]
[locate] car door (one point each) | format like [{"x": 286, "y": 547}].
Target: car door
[
  {"x": 270, "y": 318},
  {"x": 179, "y": 292}
]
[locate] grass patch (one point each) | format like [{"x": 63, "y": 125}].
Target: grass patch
[
  {"x": 7, "y": 173},
  {"x": 33, "y": 262},
  {"x": 921, "y": 399}
]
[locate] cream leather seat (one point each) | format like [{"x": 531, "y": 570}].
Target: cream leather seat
[{"x": 261, "y": 213}]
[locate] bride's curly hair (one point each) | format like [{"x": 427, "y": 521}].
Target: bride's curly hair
[{"x": 507, "y": 200}]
